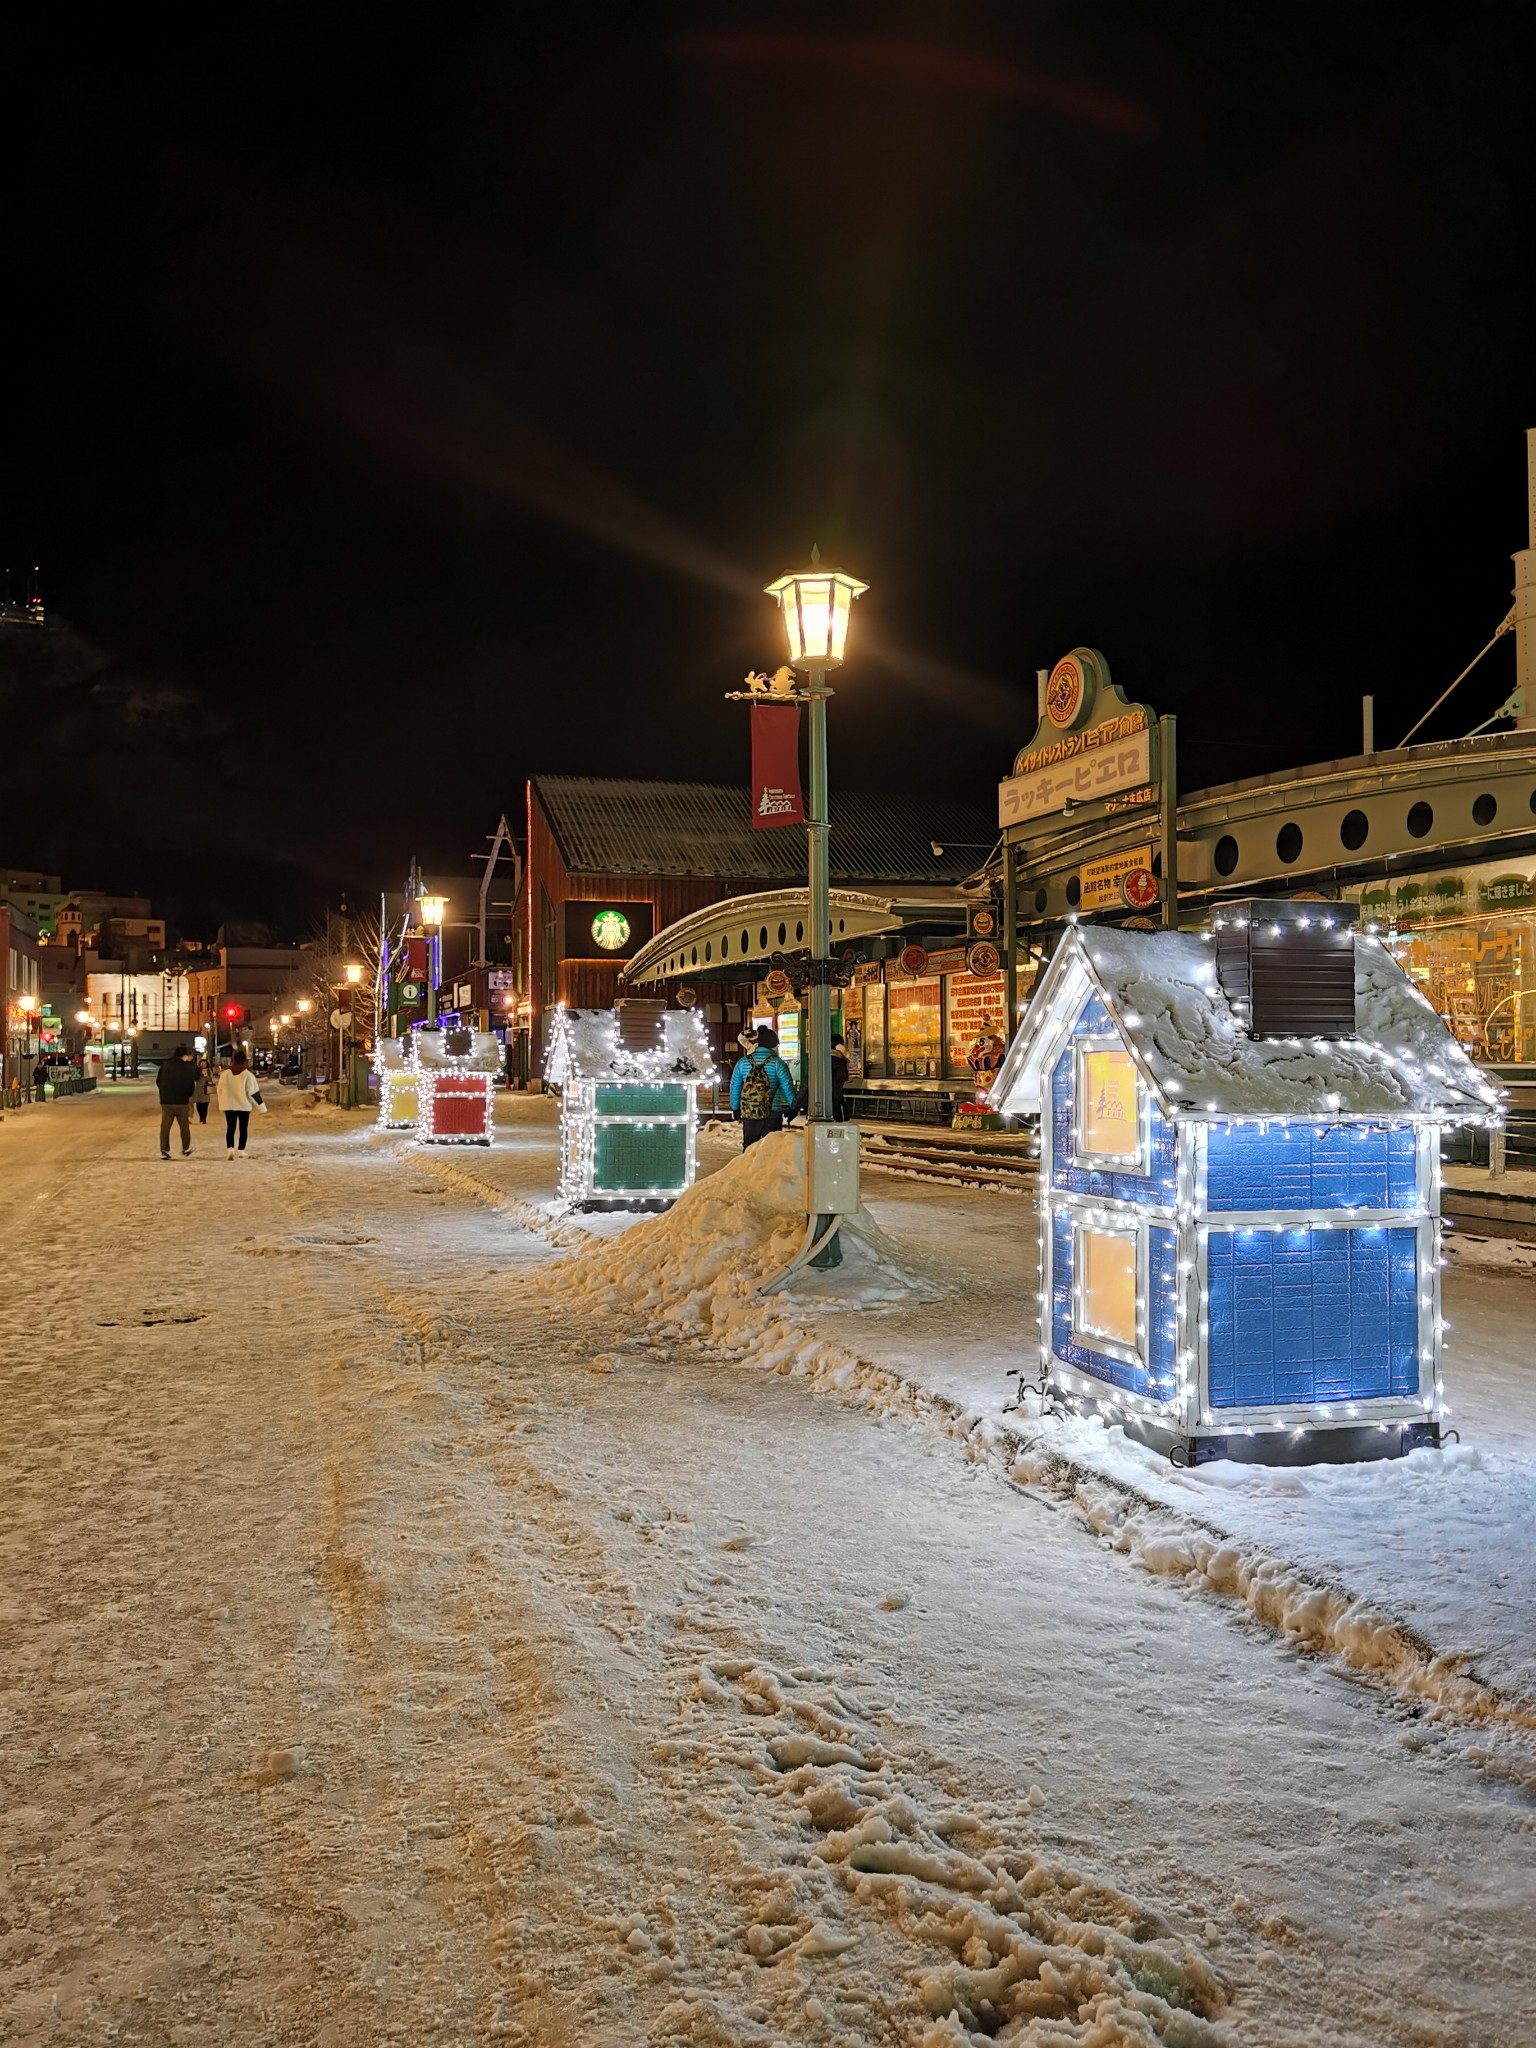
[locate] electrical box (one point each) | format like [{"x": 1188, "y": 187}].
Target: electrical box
[{"x": 831, "y": 1169}]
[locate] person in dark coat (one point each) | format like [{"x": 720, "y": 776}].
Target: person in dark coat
[
  {"x": 40, "y": 1080},
  {"x": 839, "y": 1084},
  {"x": 762, "y": 1088},
  {"x": 175, "y": 1084},
  {"x": 839, "y": 1079}
]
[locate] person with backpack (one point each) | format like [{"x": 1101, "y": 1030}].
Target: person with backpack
[{"x": 761, "y": 1089}]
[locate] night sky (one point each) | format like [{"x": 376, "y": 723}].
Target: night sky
[{"x": 403, "y": 400}]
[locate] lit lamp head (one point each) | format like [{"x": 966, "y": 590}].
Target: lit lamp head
[
  {"x": 82, "y": 1016},
  {"x": 26, "y": 1004},
  {"x": 433, "y": 910},
  {"x": 816, "y": 603},
  {"x": 305, "y": 1005},
  {"x": 354, "y": 974}
]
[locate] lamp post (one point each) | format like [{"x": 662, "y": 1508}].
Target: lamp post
[
  {"x": 433, "y": 910},
  {"x": 816, "y": 603}
]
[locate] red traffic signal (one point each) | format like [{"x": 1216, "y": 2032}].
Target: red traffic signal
[{"x": 232, "y": 1012}]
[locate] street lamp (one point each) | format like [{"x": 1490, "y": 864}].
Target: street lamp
[
  {"x": 433, "y": 910},
  {"x": 817, "y": 603}
]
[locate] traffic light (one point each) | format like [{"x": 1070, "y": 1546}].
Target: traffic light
[{"x": 232, "y": 1013}]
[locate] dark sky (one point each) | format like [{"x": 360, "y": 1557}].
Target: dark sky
[{"x": 402, "y": 400}]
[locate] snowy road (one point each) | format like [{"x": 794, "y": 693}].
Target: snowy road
[{"x": 395, "y": 1652}]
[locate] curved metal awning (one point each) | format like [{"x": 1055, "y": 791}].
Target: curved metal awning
[{"x": 728, "y": 940}]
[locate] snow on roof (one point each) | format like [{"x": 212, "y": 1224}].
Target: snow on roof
[
  {"x": 585, "y": 1047},
  {"x": 1162, "y": 991},
  {"x": 481, "y": 1056}
]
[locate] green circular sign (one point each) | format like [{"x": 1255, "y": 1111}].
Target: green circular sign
[{"x": 610, "y": 929}]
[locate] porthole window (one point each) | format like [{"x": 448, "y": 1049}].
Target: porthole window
[
  {"x": 1225, "y": 855},
  {"x": 783, "y": 933},
  {"x": 762, "y": 938},
  {"x": 709, "y": 951},
  {"x": 1354, "y": 829},
  {"x": 799, "y": 934},
  {"x": 693, "y": 957},
  {"x": 725, "y": 946},
  {"x": 1074, "y": 890},
  {"x": 1042, "y": 897},
  {"x": 1485, "y": 809},
  {"x": 1288, "y": 843},
  {"x": 1421, "y": 821},
  {"x": 746, "y": 943}
]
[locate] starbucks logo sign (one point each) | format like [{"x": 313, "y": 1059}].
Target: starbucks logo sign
[{"x": 610, "y": 930}]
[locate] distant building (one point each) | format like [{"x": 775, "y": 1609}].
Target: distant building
[
  {"x": 612, "y": 864},
  {"x": 21, "y": 984},
  {"x": 35, "y": 894}
]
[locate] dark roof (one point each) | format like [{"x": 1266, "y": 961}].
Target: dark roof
[{"x": 618, "y": 827}]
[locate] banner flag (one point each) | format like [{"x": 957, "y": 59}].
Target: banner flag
[{"x": 776, "y": 795}]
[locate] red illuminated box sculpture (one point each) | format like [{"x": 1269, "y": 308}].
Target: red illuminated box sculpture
[{"x": 457, "y": 1072}]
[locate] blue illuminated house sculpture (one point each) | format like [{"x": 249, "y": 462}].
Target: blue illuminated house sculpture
[{"x": 1240, "y": 1183}]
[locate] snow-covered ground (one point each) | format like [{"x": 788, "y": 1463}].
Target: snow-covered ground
[{"x": 423, "y": 1630}]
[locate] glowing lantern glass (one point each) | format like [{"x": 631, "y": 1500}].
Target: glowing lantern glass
[
  {"x": 816, "y": 603},
  {"x": 433, "y": 910}
]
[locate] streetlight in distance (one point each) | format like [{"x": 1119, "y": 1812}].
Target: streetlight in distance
[
  {"x": 433, "y": 911},
  {"x": 817, "y": 603}
]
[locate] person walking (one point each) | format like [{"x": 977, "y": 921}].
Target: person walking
[
  {"x": 761, "y": 1089},
  {"x": 40, "y": 1081},
  {"x": 174, "y": 1084},
  {"x": 200, "y": 1091},
  {"x": 238, "y": 1094}
]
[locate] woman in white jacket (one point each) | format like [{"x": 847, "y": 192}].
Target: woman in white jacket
[{"x": 237, "y": 1093}]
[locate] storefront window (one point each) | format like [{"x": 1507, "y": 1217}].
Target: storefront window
[
  {"x": 874, "y": 1027},
  {"x": 916, "y": 1043},
  {"x": 976, "y": 1030},
  {"x": 853, "y": 1031},
  {"x": 1468, "y": 940}
]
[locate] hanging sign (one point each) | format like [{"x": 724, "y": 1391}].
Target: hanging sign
[
  {"x": 776, "y": 796},
  {"x": 914, "y": 960},
  {"x": 1091, "y": 747},
  {"x": 983, "y": 958},
  {"x": 777, "y": 982},
  {"x": 1119, "y": 879}
]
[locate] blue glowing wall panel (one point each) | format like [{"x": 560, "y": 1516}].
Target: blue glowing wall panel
[
  {"x": 1310, "y": 1167},
  {"x": 1160, "y": 1185},
  {"x": 1154, "y": 1381},
  {"x": 1305, "y": 1316}
]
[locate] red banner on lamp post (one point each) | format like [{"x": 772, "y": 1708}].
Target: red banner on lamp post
[{"x": 776, "y": 795}]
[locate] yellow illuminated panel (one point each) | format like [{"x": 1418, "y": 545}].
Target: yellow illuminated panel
[
  {"x": 1107, "y": 1285},
  {"x": 1107, "y": 1124}
]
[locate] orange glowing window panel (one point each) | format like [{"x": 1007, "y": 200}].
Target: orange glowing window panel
[
  {"x": 1108, "y": 1125},
  {"x": 1107, "y": 1285}
]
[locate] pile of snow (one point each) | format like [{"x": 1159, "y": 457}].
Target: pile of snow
[{"x": 700, "y": 1265}]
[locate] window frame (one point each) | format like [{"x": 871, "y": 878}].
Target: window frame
[
  {"x": 1138, "y": 1161},
  {"x": 1083, "y": 1333}
]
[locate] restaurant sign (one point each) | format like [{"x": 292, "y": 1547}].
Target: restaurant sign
[
  {"x": 1091, "y": 747},
  {"x": 1120, "y": 881}
]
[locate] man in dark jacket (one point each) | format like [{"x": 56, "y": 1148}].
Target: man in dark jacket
[{"x": 176, "y": 1082}]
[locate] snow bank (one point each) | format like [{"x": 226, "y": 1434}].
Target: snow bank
[{"x": 700, "y": 1265}]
